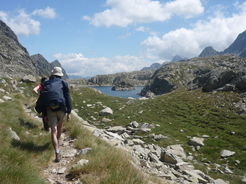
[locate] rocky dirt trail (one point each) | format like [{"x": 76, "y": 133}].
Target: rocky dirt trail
[{"x": 56, "y": 173}]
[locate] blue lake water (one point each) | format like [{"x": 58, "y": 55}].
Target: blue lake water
[{"x": 124, "y": 94}]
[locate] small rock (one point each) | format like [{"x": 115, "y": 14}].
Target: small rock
[
  {"x": 61, "y": 170},
  {"x": 106, "y": 112},
  {"x": 226, "y": 153}
]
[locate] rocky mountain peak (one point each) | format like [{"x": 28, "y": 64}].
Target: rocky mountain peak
[
  {"x": 209, "y": 51},
  {"x": 6, "y": 32},
  {"x": 238, "y": 47},
  {"x": 15, "y": 60}
]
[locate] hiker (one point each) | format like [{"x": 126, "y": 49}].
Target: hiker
[
  {"x": 55, "y": 102},
  {"x": 37, "y": 90},
  {"x": 40, "y": 86}
]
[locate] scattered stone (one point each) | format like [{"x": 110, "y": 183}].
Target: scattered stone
[
  {"x": 219, "y": 181},
  {"x": 61, "y": 170},
  {"x": 168, "y": 157},
  {"x": 106, "y": 112},
  {"x": 14, "y": 134},
  {"x": 7, "y": 98},
  {"x": 105, "y": 120},
  {"x": 195, "y": 141},
  {"x": 244, "y": 179},
  {"x": 28, "y": 79},
  {"x": 2, "y": 90},
  {"x": 118, "y": 129},
  {"x": 80, "y": 163},
  {"x": 226, "y": 153},
  {"x": 85, "y": 151},
  {"x": 71, "y": 152},
  {"x": 177, "y": 150}
]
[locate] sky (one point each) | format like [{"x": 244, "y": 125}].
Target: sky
[{"x": 98, "y": 37}]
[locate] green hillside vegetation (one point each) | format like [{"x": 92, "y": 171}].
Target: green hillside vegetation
[
  {"x": 23, "y": 161},
  {"x": 180, "y": 115}
]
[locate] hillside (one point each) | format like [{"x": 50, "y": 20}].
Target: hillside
[
  {"x": 221, "y": 73},
  {"x": 196, "y": 127},
  {"x": 15, "y": 60}
]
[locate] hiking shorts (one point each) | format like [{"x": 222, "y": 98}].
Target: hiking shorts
[{"x": 55, "y": 116}]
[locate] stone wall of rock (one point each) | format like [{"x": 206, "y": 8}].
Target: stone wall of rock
[{"x": 222, "y": 73}]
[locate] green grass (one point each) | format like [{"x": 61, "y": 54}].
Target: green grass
[
  {"x": 23, "y": 161},
  {"x": 194, "y": 112}
]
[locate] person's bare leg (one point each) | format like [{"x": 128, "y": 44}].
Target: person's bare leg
[
  {"x": 59, "y": 130},
  {"x": 54, "y": 135}
]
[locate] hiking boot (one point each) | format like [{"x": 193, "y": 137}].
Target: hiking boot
[{"x": 58, "y": 157}]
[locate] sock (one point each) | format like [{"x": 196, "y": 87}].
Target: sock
[{"x": 57, "y": 151}]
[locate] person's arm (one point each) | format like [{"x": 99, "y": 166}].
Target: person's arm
[
  {"x": 68, "y": 117},
  {"x": 35, "y": 90},
  {"x": 67, "y": 97}
]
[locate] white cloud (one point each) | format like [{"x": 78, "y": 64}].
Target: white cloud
[
  {"x": 142, "y": 29},
  {"x": 22, "y": 23},
  {"x": 123, "y": 13},
  {"x": 77, "y": 64},
  {"x": 218, "y": 32},
  {"x": 46, "y": 13}
]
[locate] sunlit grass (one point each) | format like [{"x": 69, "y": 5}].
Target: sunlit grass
[{"x": 179, "y": 115}]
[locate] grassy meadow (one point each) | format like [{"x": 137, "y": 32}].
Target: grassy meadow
[
  {"x": 178, "y": 115},
  {"x": 23, "y": 161}
]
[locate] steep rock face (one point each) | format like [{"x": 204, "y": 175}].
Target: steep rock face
[
  {"x": 57, "y": 63},
  {"x": 44, "y": 68},
  {"x": 238, "y": 47},
  {"x": 14, "y": 58},
  {"x": 42, "y": 64},
  {"x": 209, "y": 51},
  {"x": 222, "y": 73}
]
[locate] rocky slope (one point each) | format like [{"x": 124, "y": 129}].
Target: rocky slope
[
  {"x": 15, "y": 60},
  {"x": 136, "y": 78},
  {"x": 44, "y": 67},
  {"x": 223, "y": 73},
  {"x": 238, "y": 47}
]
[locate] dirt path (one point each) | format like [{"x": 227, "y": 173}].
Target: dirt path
[{"x": 56, "y": 173}]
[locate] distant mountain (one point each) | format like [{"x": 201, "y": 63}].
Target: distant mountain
[
  {"x": 44, "y": 67},
  {"x": 209, "y": 51},
  {"x": 238, "y": 47},
  {"x": 76, "y": 77},
  {"x": 152, "y": 66},
  {"x": 15, "y": 60},
  {"x": 178, "y": 58}
]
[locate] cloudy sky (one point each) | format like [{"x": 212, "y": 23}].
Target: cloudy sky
[{"x": 109, "y": 36}]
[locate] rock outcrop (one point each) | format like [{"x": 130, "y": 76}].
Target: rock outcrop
[
  {"x": 209, "y": 51},
  {"x": 44, "y": 67},
  {"x": 221, "y": 73},
  {"x": 14, "y": 58},
  {"x": 136, "y": 78}
]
